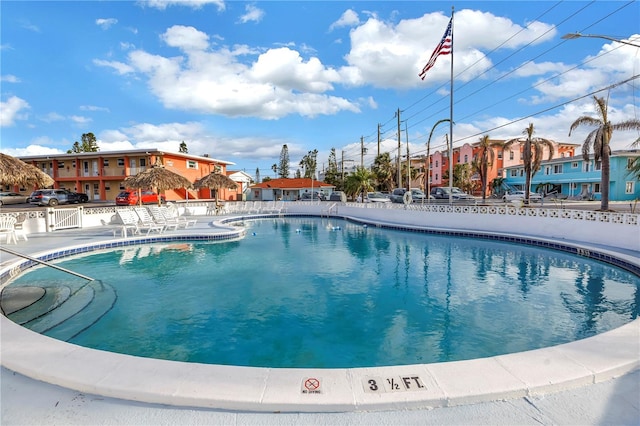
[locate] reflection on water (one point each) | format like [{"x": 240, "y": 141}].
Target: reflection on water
[{"x": 312, "y": 292}]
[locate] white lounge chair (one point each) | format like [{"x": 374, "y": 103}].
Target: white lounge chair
[
  {"x": 160, "y": 218},
  {"x": 146, "y": 221},
  {"x": 170, "y": 215}
]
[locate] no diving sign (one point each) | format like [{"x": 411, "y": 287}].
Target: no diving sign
[{"x": 311, "y": 385}]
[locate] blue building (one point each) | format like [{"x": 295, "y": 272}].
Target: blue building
[{"x": 575, "y": 178}]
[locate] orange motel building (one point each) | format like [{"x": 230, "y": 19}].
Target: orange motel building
[
  {"x": 439, "y": 162},
  {"x": 100, "y": 174}
]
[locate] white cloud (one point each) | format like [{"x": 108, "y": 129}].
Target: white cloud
[
  {"x": 185, "y": 38},
  {"x": 280, "y": 82},
  {"x": 8, "y": 78},
  {"x": 106, "y": 23},
  {"x": 194, "y": 4},
  {"x": 120, "y": 67},
  {"x": 93, "y": 108},
  {"x": 52, "y": 117},
  {"x": 253, "y": 14},
  {"x": 12, "y": 110},
  {"x": 348, "y": 19},
  {"x": 80, "y": 120}
]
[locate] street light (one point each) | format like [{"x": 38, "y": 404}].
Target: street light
[{"x": 571, "y": 36}]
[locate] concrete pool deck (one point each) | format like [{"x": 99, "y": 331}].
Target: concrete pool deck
[{"x": 593, "y": 381}]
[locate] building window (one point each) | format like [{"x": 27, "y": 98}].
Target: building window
[
  {"x": 466, "y": 158},
  {"x": 586, "y": 166},
  {"x": 143, "y": 162},
  {"x": 500, "y": 155},
  {"x": 574, "y": 165},
  {"x": 73, "y": 163},
  {"x": 61, "y": 164},
  {"x": 192, "y": 164},
  {"x": 557, "y": 169},
  {"x": 630, "y": 162},
  {"x": 510, "y": 155},
  {"x": 629, "y": 187},
  {"x": 105, "y": 162},
  {"x": 596, "y": 187},
  {"x": 120, "y": 162},
  {"x": 514, "y": 173},
  {"x": 521, "y": 172}
]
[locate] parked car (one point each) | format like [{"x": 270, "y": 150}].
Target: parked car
[
  {"x": 520, "y": 195},
  {"x": 306, "y": 196},
  {"x": 374, "y": 197},
  {"x": 53, "y": 197},
  {"x": 442, "y": 193},
  {"x": 12, "y": 198},
  {"x": 397, "y": 196},
  {"x": 338, "y": 196},
  {"x": 130, "y": 198}
]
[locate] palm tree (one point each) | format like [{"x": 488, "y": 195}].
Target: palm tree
[
  {"x": 383, "y": 171},
  {"x": 359, "y": 182},
  {"x": 532, "y": 152},
  {"x": 599, "y": 139},
  {"x": 483, "y": 161}
]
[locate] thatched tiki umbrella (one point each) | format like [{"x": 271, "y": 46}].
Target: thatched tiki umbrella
[
  {"x": 16, "y": 172},
  {"x": 157, "y": 177},
  {"x": 215, "y": 181}
]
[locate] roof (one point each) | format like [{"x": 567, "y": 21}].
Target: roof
[
  {"x": 296, "y": 183},
  {"x": 147, "y": 151}
]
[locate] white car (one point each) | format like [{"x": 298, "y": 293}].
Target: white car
[
  {"x": 374, "y": 197},
  {"x": 520, "y": 195}
]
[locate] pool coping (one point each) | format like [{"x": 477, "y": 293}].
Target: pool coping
[{"x": 532, "y": 373}]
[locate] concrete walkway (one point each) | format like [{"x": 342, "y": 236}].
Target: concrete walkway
[{"x": 25, "y": 401}]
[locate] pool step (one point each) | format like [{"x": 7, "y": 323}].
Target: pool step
[
  {"x": 104, "y": 298},
  {"x": 50, "y": 300},
  {"x": 63, "y": 313}
]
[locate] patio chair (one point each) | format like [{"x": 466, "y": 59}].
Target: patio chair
[
  {"x": 159, "y": 218},
  {"x": 7, "y": 228},
  {"x": 168, "y": 215},
  {"x": 119, "y": 227},
  {"x": 145, "y": 221},
  {"x": 19, "y": 226}
]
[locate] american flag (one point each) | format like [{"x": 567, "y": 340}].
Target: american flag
[{"x": 443, "y": 48}]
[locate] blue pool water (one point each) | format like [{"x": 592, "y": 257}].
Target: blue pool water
[{"x": 326, "y": 293}]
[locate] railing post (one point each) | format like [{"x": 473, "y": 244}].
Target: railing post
[{"x": 50, "y": 219}]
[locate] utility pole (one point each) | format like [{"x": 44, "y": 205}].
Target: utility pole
[
  {"x": 398, "y": 160},
  {"x": 342, "y": 166},
  {"x": 379, "y": 125},
  {"x": 363, "y": 150},
  {"x": 406, "y": 133}
]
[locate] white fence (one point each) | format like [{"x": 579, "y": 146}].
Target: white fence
[{"x": 614, "y": 229}]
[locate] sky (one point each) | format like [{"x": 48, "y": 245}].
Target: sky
[{"x": 238, "y": 80}]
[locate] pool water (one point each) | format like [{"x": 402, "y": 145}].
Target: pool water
[{"x": 327, "y": 293}]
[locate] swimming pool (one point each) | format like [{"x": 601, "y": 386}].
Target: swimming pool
[{"x": 383, "y": 297}]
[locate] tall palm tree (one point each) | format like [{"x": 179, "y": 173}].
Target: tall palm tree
[
  {"x": 599, "y": 139},
  {"x": 483, "y": 161},
  {"x": 532, "y": 151},
  {"x": 360, "y": 181}
]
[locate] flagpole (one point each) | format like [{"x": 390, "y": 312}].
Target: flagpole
[{"x": 451, "y": 119}]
